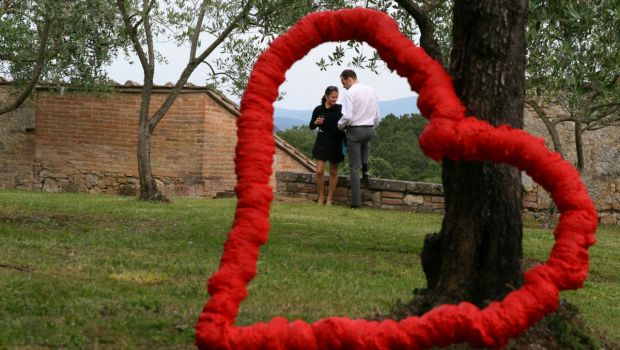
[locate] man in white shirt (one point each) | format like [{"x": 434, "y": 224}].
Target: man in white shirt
[{"x": 360, "y": 116}]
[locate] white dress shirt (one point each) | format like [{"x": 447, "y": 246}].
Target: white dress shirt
[{"x": 360, "y": 107}]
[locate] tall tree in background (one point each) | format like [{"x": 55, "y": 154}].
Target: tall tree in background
[
  {"x": 55, "y": 43},
  {"x": 231, "y": 25},
  {"x": 573, "y": 62}
]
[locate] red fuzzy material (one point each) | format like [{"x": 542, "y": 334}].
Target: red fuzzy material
[{"x": 449, "y": 134}]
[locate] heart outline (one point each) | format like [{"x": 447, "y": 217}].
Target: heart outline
[{"x": 449, "y": 134}]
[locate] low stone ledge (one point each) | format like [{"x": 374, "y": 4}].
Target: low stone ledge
[
  {"x": 378, "y": 193},
  {"x": 420, "y": 196}
]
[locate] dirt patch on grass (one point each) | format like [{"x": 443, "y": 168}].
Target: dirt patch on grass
[
  {"x": 49, "y": 222},
  {"x": 56, "y": 219},
  {"x": 17, "y": 267}
]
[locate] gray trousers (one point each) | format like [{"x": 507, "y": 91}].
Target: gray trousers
[{"x": 358, "y": 142}]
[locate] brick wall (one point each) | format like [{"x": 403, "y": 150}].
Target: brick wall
[
  {"x": 218, "y": 157},
  {"x": 16, "y": 145},
  {"x": 88, "y": 143}
]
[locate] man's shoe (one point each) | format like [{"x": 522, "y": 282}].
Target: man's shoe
[
  {"x": 365, "y": 179},
  {"x": 356, "y": 207}
]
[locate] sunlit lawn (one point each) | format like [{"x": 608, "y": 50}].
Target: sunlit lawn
[{"x": 83, "y": 271}]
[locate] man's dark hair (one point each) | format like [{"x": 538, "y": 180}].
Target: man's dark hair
[{"x": 348, "y": 73}]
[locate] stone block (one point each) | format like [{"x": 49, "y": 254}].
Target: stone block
[
  {"x": 609, "y": 220},
  {"x": 424, "y": 188},
  {"x": 389, "y": 185},
  {"x": 413, "y": 200},
  {"x": 391, "y": 194},
  {"x": 527, "y": 182},
  {"x": 50, "y": 185},
  {"x": 91, "y": 180},
  {"x": 392, "y": 201},
  {"x": 530, "y": 197},
  {"x": 437, "y": 199}
]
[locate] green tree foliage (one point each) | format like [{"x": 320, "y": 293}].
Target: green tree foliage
[
  {"x": 301, "y": 137},
  {"x": 54, "y": 43},
  {"x": 419, "y": 20},
  {"x": 574, "y": 62},
  {"x": 394, "y": 153},
  {"x": 267, "y": 19}
]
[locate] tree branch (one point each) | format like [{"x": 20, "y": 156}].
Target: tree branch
[
  {"x": 5, "y": 6},
  {"x": 191, "y": 66},
  {"x": 133, "y": 34},
  {"x": 551, "y": 125},
  {"x": 427, "y": 29},
  {"x": 197, "y": 30},
  {"x": 149, "y": 37},
  {"x": 229, "y": 76},
  {"x": 38, "y": 68}
]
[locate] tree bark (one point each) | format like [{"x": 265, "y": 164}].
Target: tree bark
[
  {"x": 427, "y": 29},
  {"x": 579, "y": 146},
  {"x": 477, "y": 254},
  {"x": 148, "y": 187}
]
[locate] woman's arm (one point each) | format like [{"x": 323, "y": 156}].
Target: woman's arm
[{"x": 315, "y": 114}]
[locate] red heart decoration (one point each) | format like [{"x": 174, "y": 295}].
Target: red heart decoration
[{"x": 449, "y": 134}]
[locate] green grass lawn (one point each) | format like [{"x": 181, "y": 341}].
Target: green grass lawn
[{"x": 83, "y": 271}]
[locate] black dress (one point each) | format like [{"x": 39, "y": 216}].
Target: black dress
[{"x": 328, "y": 144}]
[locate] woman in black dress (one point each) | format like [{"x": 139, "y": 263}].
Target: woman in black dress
[{"x": 328, "y": 144}]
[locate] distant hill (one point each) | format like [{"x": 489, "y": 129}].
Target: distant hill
[
  {"x": 400, "y": 106},
  {"x": 283, "y": 123},
  {"x": 286, "y": 118}
]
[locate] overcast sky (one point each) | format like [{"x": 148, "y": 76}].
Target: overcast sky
[{"x": 304, "y": 84}]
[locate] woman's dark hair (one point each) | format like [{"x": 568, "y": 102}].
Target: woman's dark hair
[{"x": 328, "y": 91}]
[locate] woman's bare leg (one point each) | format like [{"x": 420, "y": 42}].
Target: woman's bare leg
[
  {"x": 333, "y": 182},
  {"x": 320, "y": 187}
]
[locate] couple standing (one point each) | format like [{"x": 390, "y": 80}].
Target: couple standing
[{"x": 355, "y": 122}]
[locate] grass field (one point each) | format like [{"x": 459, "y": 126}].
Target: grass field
[{"x": 100, "y": 272}]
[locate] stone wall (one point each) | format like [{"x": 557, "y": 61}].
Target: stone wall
[
  {"x": 602, "y": 165},
  {"x": 413, "y": 196},
  {"x": 384, "y": 194}
]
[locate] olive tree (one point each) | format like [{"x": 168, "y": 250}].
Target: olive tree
[
  {"x": 573, "y": 61},
  {"x": 240, "y": 30},
  {"x": 56, "y": 43}
]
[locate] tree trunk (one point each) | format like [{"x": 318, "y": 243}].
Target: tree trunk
[
  {"x": 148, "y": 186},
  {"x": 579, "y": 146},
  {"x": 477, "y": 254},
  {"x": 552, "y": 127}
]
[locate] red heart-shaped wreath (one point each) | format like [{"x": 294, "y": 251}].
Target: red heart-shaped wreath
[{"x": 449, "y": 134}]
